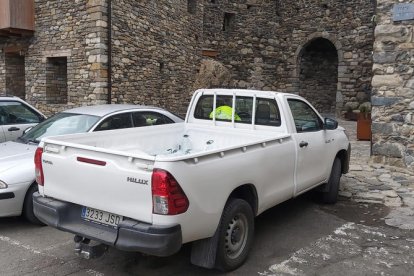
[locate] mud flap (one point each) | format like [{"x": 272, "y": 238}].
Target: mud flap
[
  {"x": 204, "y": 252},
  {"x": 324, "y": 188}
]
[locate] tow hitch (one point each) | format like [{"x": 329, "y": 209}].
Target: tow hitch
[{"x": 88, "y": 249}]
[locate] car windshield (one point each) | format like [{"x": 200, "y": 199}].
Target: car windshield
[{"x": 60, "y": 124}]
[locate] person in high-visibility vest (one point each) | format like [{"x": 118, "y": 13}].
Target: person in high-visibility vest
[{"x": 224, "y": 112}]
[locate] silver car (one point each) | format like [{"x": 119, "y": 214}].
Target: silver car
[
  {"x": 16, "y": 116},
  {"x": 17, "y": 174}
]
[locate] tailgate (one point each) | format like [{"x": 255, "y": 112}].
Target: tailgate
[{"x": 116, "y": 183}]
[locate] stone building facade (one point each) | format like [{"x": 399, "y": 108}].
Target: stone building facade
[
  {"x": 319, "y": 49},
  {"x": 62, "y": 62},
  {"x": 157, "y": 52},
  {"x": 393, "y": 88},
  {"x": 154, "y": 54}
]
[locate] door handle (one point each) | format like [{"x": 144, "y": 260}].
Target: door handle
[
  {"x": 303, "y": 144},
  {"x": 13, "y": 129}
]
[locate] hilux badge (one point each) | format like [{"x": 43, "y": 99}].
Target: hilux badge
[{"x": 138, "y": 181}]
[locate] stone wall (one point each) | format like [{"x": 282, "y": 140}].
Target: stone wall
[
  {"x": 393, "y": 88},
  {"x": 156, "y": 52},
  {"x": 264, "y": 42},
  {"x": 156, "y": 48}
]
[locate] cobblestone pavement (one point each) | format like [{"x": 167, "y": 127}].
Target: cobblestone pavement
[
  {"x": 375, "y": 183},
  {"x": 365, "y": 245},
  {"x": 351, "y": 249}
]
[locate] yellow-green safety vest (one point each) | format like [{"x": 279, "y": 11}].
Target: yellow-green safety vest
[{"x": 224, "y": 112}]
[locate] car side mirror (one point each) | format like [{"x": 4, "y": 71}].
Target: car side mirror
[{"x": 330, "y": 124}]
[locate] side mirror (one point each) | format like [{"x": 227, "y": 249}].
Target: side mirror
[{"x": 330, "y": 124}]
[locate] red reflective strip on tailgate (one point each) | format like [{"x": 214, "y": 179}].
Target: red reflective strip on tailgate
[{"x": 91, "y": 161}]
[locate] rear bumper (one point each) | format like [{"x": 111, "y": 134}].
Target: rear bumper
[{"x": 130, "y": 235}]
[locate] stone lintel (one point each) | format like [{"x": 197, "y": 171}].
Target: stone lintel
[{"x": 56, "y": 53}]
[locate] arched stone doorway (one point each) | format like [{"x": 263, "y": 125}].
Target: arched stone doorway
[{"x": 318, "y": 63}]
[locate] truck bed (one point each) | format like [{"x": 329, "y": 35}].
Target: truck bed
[{"x": 166, "y": 142}]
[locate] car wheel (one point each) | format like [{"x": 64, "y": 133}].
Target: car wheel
[
  {"x": 28, "y": 206},
  {"x": 331, "y": 195},
  {"x": 236, "y": 233}
]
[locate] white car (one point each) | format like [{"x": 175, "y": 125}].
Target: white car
[
  {"x": 15, "y": 117},
  {"x": 17, "y": 172}
]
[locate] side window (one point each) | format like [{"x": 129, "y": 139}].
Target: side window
[
  {"x": 150, "y": 119},
  {"x": 267, "y": 111},
  {"x": 12, "y": 112},
  {"x": 204, "y": 108},
  {"x": 306, "y": 120},
  {"x": 244, "y": 110},
  {"x": 116, "y": 121}
]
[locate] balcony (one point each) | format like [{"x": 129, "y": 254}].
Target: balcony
[{"x": 16, "y": 17}]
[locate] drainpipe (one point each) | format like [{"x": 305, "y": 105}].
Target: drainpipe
[{"x": 109, "y": 99}]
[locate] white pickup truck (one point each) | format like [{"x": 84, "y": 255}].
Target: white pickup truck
[{"x": 150, "y": 190}]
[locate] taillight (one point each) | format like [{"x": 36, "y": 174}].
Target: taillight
[
  {"x": 38, "y": 166},
  {"x": 167, "y": 196}
]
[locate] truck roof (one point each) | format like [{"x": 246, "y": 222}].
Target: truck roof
[{"x": 241, "y": 91}]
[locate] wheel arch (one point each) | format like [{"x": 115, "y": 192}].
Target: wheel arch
[
  {"x": 204, "y": 252},
  {"x": 344, "y": 156},
  {"x": 248, "y": 193}
]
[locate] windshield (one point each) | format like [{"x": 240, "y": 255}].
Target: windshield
[{"x": 59, "y": 124}]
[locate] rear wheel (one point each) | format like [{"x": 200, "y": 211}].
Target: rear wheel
[
  {"x": 28, "y": 206},
  {"x": 236, "y": 233},
  {"x": 331, "y": 195}
]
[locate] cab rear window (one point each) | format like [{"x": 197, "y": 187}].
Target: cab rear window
[{"x": 266, "y": 110}]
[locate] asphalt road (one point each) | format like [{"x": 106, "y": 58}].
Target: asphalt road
[{"x": 299, "y": 237}]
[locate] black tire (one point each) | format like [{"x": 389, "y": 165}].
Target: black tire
[
  {"x": 28, "y": 206},
  {"x": 331, "y": 195},
  {"x": 236, "y": 232}
]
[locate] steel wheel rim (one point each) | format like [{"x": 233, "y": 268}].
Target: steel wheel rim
[{"x": 236, "y": 236}]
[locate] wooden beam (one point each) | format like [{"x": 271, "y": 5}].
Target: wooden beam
[
  {"x": 15, "y": 32},
  {"x": 13, "y": 49}
]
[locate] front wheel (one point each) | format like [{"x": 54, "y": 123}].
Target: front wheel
[
  {"x": 331, "y": 195},
  {"x": 236, "y": 233},
  {"x": 28, "y": 206}
]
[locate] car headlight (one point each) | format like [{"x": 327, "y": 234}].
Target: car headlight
[{"x": 3, "y": 185}]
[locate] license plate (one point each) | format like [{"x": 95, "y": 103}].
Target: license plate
[{"x": 100, "y": 217}]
